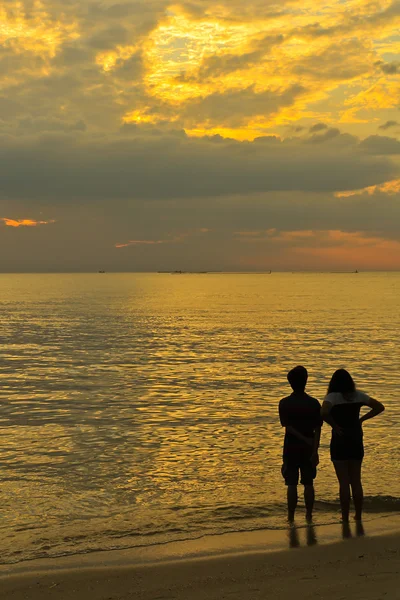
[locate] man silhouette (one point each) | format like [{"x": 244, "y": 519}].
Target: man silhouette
[{"x": 300, "y": 414}]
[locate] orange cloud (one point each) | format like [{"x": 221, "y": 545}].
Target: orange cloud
[
  {"x": 24, "y": 222},
  {"x": 293, "y": 235},
  {"x": 389, "y": 187},
  {"x": 373, "y": 253},
  {"x": 140, "y": 243},
  {"x": 323, "y": 236},
  {"x": 275, "y": 235},
  {"x": 250, "y": 234},
  {"x": 173, "y": 239},
  {"x": 331, "y": 249}
]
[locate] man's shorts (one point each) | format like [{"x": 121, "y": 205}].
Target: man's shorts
[{"x": 290, "y": 472}]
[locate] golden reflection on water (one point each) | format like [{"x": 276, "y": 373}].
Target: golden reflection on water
[{"x": 138, "y": 408}]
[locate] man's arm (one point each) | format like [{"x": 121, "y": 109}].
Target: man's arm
[
  {"x": 316, "y": 441},
  {"x": 376, "y": 409},
  {"x": 289, "y": 428},
  {"x": 303, "y": 438}
]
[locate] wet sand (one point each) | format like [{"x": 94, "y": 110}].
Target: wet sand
[{"x": 359, "y": 567}]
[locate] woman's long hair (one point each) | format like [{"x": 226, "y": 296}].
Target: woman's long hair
[{"x": 342, "y": 382}]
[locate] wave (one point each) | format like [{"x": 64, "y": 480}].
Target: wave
[{"x": 372, "y": 504}]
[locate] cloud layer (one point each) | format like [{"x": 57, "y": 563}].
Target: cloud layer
[{"x": 148, "y": 128}]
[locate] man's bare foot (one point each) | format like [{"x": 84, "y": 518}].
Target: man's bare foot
[
  {"x": 290, "y": 517},
  {"x": 309, "y": 517},
  {"x": 345, "y": 518}
]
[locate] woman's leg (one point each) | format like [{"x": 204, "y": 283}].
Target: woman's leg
[
  {"x": 342, "y": 473},
  {"x": 356, "y": 487}
]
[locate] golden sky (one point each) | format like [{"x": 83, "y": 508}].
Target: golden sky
[{"x": 146, "y": 134}]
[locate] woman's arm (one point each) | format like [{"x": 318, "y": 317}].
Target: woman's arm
[
  {"x": 327, "y": 417},
  {"x": 376, "y": 409}
]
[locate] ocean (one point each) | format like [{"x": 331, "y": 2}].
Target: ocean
[{"x": 138, "y": 409}]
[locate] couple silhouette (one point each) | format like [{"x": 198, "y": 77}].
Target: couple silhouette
[{"x": 302, "y": 417}]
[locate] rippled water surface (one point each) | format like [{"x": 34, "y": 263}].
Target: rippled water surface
[{"x": 141, "y": 408}]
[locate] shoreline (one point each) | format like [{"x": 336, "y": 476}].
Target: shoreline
[
  {"x": 364, "y": 568},
  {"x": 214, "y": 546}
]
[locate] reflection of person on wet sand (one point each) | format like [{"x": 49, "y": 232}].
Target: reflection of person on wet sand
[
  {"x": 311, "y": 535},
  {"x": 346, "y": 531},
  {"x": 294, "y": 539},
  {"x": 300, "y": 415},
  {"x": 293, "y": 534},
  {"x": 341, "y": 410}
]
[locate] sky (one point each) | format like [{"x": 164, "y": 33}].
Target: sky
[{"x": 238, "y": 135}]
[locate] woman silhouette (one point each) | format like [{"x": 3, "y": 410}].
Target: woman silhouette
[{"x": 341, "y": 410}]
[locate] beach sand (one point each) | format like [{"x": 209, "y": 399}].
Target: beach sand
[{"x": 358, "y": 568}]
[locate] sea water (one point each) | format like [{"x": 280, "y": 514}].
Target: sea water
[{"x": 137, "y": 409}]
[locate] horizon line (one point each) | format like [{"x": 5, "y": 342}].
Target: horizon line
[{"x": 198, "y": 272}]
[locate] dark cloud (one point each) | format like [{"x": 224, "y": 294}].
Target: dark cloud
[
  {"x": 218, "y": 65},
  {"x": 70, "y": 96},
  {"x": 337, "y": 62},
  {"x": 123, "y": 10},
  {"x": 379, "y": 144},
  {"x": 215, "y": 66},
  {"x": 64, "y": 167},
  {"x": 392, "y": 68},
  {"x": 74, "y": 54},
  {"x": 12, "y": 63},
  {"x": 237, "y": 9},
  {"x": 318, "y": 127},
  {"x": 351, "y": 23},
  {"x": 40, "y": 124},
  {"x": 296, "y": 128},
  {"x": 329, "y": 134},
  {"x": 107, "y": 39},
  {"x": 233, "y": 107},
  {"x": 388, "y": 125},
  {"x": 130, "y": 69}
]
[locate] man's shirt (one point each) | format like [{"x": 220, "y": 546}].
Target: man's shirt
[{"x": 302, "y": 412}]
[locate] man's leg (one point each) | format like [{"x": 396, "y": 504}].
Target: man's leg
[
  {"x": 291, "y": 501},
  {"x": 290, "y": 473},
  {"x": 308, "y": 474},
  {"x": 309, "y": 496}
]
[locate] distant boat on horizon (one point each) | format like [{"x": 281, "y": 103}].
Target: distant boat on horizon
[
  {"x": 101, "y": 271},
  {"x": 184, "y": 272},
  {"x": 342, "y": 272},
  {"x": 172, "y": 272}
]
